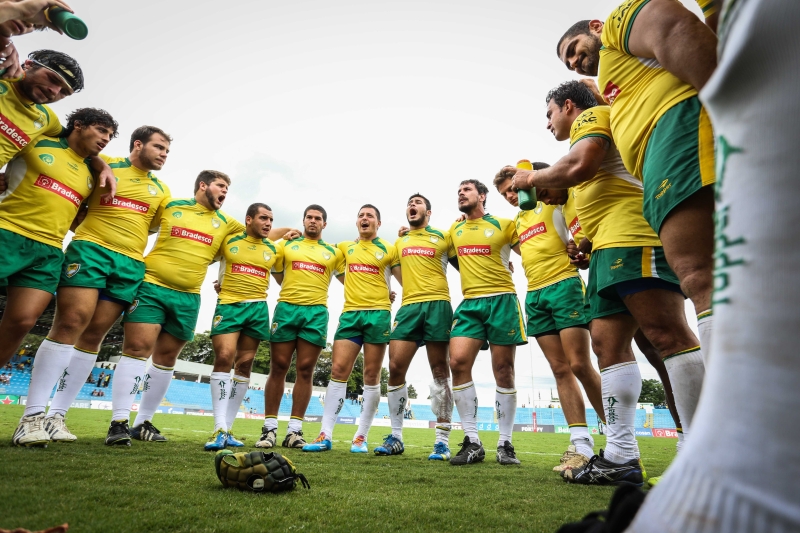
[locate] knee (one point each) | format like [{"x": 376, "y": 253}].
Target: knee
[
  {"x": 243, "y": 368},
  {"x": 278, "y": 367},
  {"x": 19, "y": 324},
  {"x": 440, "y": 372},
  {"x": 340, "y": 372},
  {"x": 504, "y": 375},
  {"x": 396, "y": 369},
  {"x": 582, "y": 368},
  {"x": 459, "y": 366}
]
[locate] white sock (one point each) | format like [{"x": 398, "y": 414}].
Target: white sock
[
  {"x": 334, "y": 400},
  {"x": 220, "y": 391},
  {"x": 125, "y": 385},
  {"x": 49, "y": 369},
  {"x": 443, "y": 432},
  {"x": 398, "y": 399},
  {"x": 80, "y": 366},
  {"x": 295, "y": 425},
  {"x": 467, "y": 404},
  {"x": 705, "y": 322},
  {"x": 686, "y": 373},
  {"x": 369, "y": 408},
  {"x": 271, "y": 422},
  {"x": 156, "y": 382},
  {"x": 580, "y": 438},
  {"x": 505, "y": 402},
  {"x": 679, "y": 444},
  {"x": 621, "y": 385},
  {"x": 238, "y": 390}
]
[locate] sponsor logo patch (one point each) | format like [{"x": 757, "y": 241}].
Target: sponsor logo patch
[
  {"x": 419, "y": 250},
  {"x": 238, "y": 268},
  {"x": 274, "y": 328},
  {"x": 235, "y": 250},
  {"x": 617, "y": 264},
  {"x": 72, "y": 269},
  {"x": 47, "y": 158},
  {"x": 126, "y": 203},
  {"x": 533, "y": 231},
  {"x": 46, "y": 182},
  {"x": 177, "y": 214},
  {"x": 13, "y": 133},
  {"x": 133, "y": 306},
  {"x": 184, "y": 233},
  {"x": 217, "y": 320},
  {"x": 311, "y": 267},
  {"x": 475, "y": 249},
  {"x": 358, "y": 268},
  {"x": 575, "y": 226},
  {"x": 611, "y": 92}
]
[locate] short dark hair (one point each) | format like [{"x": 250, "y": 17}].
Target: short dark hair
[
  {"x": 252, "y": 211},
  {"x": 508, "y": 171},
  {"x": 208, "y": 177},
  {"x": 143, "y": 134},
  {"x": 418, "y": 195},
  {"x": 482, "y": 189},
  {"x": 539, "y": 166},
  {"x": 89, "y": 116},
  {"x": 377, "y": 212},
  {"x": 573, "y": 90},
  {"x": 62, "y": 64},
  {"x": 579, "y": 28},
  {"x": 316, "y": 207}
]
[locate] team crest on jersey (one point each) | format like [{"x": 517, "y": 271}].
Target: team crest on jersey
[
  {"x": 488, "y": 232},
  {"x": 47, "y": 158},
  {"x": 3, "y": 90},
  {"x": 326, "y": 255},
  {"x": 39, "y": 122},
  {"x": 295, "y": 247},
  {"x": 458, "y": 233},
  {"x": 434, "y": 239},
  {"x": 235, "y": 250},
  {"x": 538, "y": 208},
  {"x": 133, "y": 306},
  {"x": 72, "y": 269},
  {"x": 217, "y": 320},
  {"x": 177, "y": 214},
  {"x": 267, "y": 257},
  {"x": 350, "y": 251},
  {"x": 378, "y": 255},
  {"x": 215, "y": 222},
  {"x": 274, "y": 328},
  {"x": 405, "y": 239},
  {"x": 152, "y": 190}
]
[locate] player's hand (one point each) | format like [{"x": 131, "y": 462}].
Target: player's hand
[
  {"x": 392, "y": 296},
  {"x": 3, "y": 182},
  {"x": 217, "y": 287},
  {"x": 106, "y": 179},
  {"x": 511, "y": 266},
  {"x": 462, "y": 217},
  {"x": 585, "y": 246},
  {"x": 9, "y": 60},
  {"x": 292, "y": 234},
  {"x": 403, "y": 230},
  {"x": 32, "y": 11},
  {"x": 522, "y": 179},
  {"x": 592, "y": 85}
]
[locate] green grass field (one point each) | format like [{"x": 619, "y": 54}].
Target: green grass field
[{"x": 173, "y": 487}]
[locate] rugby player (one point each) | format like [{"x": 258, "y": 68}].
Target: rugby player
[
  {"x": 365, "y": 321},
  {"x": 490, "y": 312},
  {"x": 556, "y": 307},
  {"x": 47, "y": 184},
  {"x": 241, "y": 318},
  {"x": 651, "y": 57},
  {"x": 300, "y": 323},
  {"x": 424, "y": 318}
]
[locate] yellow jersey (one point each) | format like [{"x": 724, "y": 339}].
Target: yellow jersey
[
  {"x": 368, "y": 270},
  {"x": 571, "y": 217},
  {"x": 543, "y": 237},
  {"x": 189, "y": 239},
  {"x": 639, "y": 90},
  {"x": 47, "y": 183},
  {"x": 307, "y": 267},
  {"x": 483, "y": 247},
  {"x": 709, "y": 7},
  {"x": 22, "y": 121},
  {"x": 424, "y": 254},
  {"x": 123, "y": 223},
  {"x": 244, "y": 268},
  {"x": 610, "y": 204}
]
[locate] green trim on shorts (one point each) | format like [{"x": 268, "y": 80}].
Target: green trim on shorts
[
  {"x": 496, "y": 319},
  {"x": 87, "y": 264},
  {"x": 615, "y": 265},
  {"x": 423, "y": 322},
  {"x": 558, "y": 306},
  {"x": 600, "y": 307},
  {"x": 372, "y": 326},
  {"x": 175, "y": 311},
  {"x": 29, "y": 263},
  {"x": 250, "y": 318},
  {"x": 307, "y": 322}
]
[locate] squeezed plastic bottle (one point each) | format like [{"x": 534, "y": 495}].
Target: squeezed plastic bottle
[
  {"x": 67, "y": 22},
  {"x": 527, "y": 197}
]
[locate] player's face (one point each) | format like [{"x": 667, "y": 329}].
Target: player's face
[
  {"x": 558, "y": 121},
  {"x": 505, "y": 191},
  {"x": 313, "y": 224},
  {"x": 154, "y": 152},
  {"x": 582, "y": 53},
  {"x": 261, "y": 224},
  {"x": 43, "y": 86},
  {"x": 469, "y": 198},
  {"x": 417, "y": 213},
  {"x": 367, "y": 222},
  {"x": 215, "y": 192},
  {"x": 92, "y": 139},
  {"x": 552, "y": 196}
]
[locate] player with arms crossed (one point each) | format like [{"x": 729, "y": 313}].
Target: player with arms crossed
[
  {"x": 489, "y": 312},
  {"x": 556, "y": 307},
  {"x": 366, "y": 320},
  {"x": 47, "y": 184},
  {"x": 424, "y": 318},
  {"x": 241, "y": 318},
  {"x": 300, "y": 323}
]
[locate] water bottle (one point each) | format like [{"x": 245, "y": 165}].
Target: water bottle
[
  {"x": 67, "y": 22},
  {"x": 527, "y": 198}
]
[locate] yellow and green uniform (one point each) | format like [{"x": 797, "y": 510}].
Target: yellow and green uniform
[
  {"x": 47, "y": 183},
  {"x": 22, "y": 122},
  {"x": 426, "y": 313},
  {"x": 555, "y": 298},
  {"x": 490, "y": 310},
  {"x": 709, "y": 7},
  {"x": 663, "y": 133},
  {"x": 244, "y": 271},
  {"x": 189, "y": 239},
  {"x": 368, "y": 269},
  {"x": 107, "y": 250},
  {"x": 302, "y": 311}
]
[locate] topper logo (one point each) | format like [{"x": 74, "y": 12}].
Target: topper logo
[
  {"x": 126, "y": 203},
  {"x": 311, "y": 267},
  {"x": 533, "y": 231},
  {"x": 419, "y": 250},
  {"x": 238, "y": 268},
  {"x": 183, "y": 233},
  {"x": 477, "y": 249},
  {"x": 59, "y": 188},
  {"x": 358, "y": 268}
]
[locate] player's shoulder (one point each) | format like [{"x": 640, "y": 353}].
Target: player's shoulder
[
  {"x": 380, "y": 243},
  {"x": 594, "y": 122},
  {"x": 50, "y": 143},
  {"x": 235, "y": 237},
  {"x": 270, "y": 244},
  {"x": 180, "y": 203},
  {"x": 330, "y": 247},
  {"x": 226, "y": 218},
  {"x": 498, "y": 222},
  {"x": 442, "y": 234},
  {"x": 116, "y": 162},
  {"x": 163, "y": 187},
  {"x": 618, "y": 24}
]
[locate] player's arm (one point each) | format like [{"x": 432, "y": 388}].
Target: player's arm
[
  {"x": 453, "y": 262},
  {"x": 79, "y": 216},
  {"x": 516, "y": 249},
  {"x": 287, "y": 234},
  {"x": 340, "y": 277},
  {"x": 579, "y": 165},
  {"x": 398, "y": 275},
  {"x": 677, "y": 39},
  {"x": 278, "y": 277},
  {"x": 105, "y": 177}
]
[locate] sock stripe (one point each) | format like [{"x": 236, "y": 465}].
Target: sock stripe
[
  {"x": 705, "y": 314},
  {"x": 165, "y": 368},
  {"x": 679, "y": 430},
  {"x": 338, "y": 381},
  {"x": 465, "y": 386},
  {"x": 578, "y": 425},
  {"x": 296, "y": 418},
  {"x": 617, "y": 366},
  {"x": 86, "y": 351},
  {"x": 134, "y": 357},
  {"x": 506, "y": 391},
  {"x": 54, "y": 342},
  {"x": 442, "y": 428},
  {"x": 683, "y": 352},
  {"x": 241, "y": 380},
  {"x": 397, "y": 388},
  {"x": 270, "y": 416}
]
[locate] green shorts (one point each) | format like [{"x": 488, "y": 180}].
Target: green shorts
[
  {"x": 87, "y": 264},
  {"x": 28, "y": 263},
  {"x": 251, "y": 318},
  {"x": 678, "y": 160},
  {"x": 423, "y": 321},
  {"x": 307, "y": 322},
  {"x": 176, "y": 311},
  {"x": 497, "y": 319},
  {"x": 368, "y": 326},
  {"x": 598, "y": 306},
  {"x": 558, "y": 306}
]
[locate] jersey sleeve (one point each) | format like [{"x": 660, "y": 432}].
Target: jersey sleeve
[
  {"x": 511, "y": 234},
  {"x": 451, "y": 249},
  {"x": 339, "y": 269},
  {"x": 155, "y": 224},
  {"x": 280, "y": 247},
  {"x": 395, "y": 257},
  {"x": 235, "y": 227},
  {"x": 594, "y": 122},
  {"x": 54, "y": 128},
  {"x": 616, "y": 30}
]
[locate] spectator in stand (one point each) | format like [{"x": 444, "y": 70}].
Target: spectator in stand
[{"x": 106, "y": 381}]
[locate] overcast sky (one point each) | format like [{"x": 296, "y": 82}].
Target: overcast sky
[{"x": 336, "y": 103}]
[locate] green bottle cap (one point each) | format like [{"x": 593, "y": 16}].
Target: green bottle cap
[{"x": 67, "y": 22}]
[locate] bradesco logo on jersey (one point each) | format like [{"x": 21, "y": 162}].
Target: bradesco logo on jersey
[
  {"x": 419, "y": 250},
  {"x": 311, "y": 267},
  {"x": 475, "y": 249},
  {"x": 533, "y": 231},
  {"x": 126, "y": 203},
  {"x": 575, "y": 226},
  {"x": 46, "y": 182},
  {"x": 357, "y": 268},
  {"x": 238, "y": 268},
  {"x": 13, "y": 133},
  {"x": 183, "y": 233}
]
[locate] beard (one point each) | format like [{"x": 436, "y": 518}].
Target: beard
[
  {"x": 593, "y": 57},
  {"x": 212, "y": 201},
  {"x": 467, "y": 208}
]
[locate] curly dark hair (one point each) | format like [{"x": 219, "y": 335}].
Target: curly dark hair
[
  {"x": 89, "y": 116},
  {"x": 573, "y": 90},
  {"x": 61, "y": 63}
]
